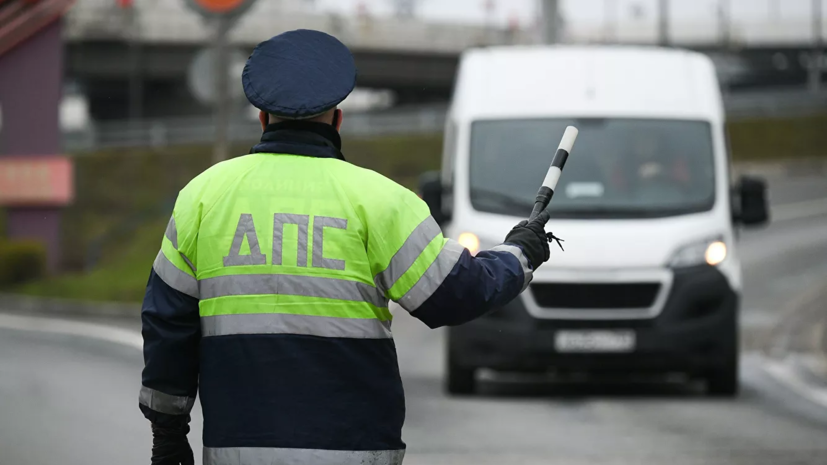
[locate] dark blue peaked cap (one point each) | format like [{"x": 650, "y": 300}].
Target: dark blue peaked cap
[{"x": 299, "y": 74}]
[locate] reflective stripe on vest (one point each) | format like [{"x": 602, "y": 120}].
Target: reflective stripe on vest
[
  {"x": 517, "y": 252},
  {"x": 165, "y": 403},
  {"x": 280, "y": 284},
  {"x": 270, "y": 456},
  {"x": 174, "y": 276},
  {"x": 405, "y": 257},
  {"x": 433, "y": 277},
  {"x": 308, "y": 325}
]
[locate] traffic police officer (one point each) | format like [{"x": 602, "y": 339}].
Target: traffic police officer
[{"x": 270, "y": 294}]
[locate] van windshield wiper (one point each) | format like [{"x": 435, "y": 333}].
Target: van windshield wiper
[
  {"x": 624, "y": 212},
  {"x": 501, "y": 200}
]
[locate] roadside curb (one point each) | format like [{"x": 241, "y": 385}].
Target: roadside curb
[
  {"x": 22, "y": 304},
  {"x": 781, "y": 169},
  {"x": 754, "y": 338},
  {"x": 795, "y": 350}
]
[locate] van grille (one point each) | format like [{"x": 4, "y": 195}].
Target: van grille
[{"x": 595, "y": 295}]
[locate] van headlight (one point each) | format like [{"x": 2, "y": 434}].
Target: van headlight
[
  {"x": 470, "y": 241},
  {"x": 710, "y": 251}
]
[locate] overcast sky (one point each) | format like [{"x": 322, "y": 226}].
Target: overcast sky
[{"x": 580, "y": 11}]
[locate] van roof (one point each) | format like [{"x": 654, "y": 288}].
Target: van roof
[{"x": 584, "y": 81}]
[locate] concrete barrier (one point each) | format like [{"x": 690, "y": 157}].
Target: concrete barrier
[
  {"x": 811, "y": 166},
  {"x": 796, "y": 348},
  {"x": 15, "y": 303}
]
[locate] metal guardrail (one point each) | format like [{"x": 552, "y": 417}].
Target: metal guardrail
[
  {"x": 402, "y": 121},
  {"x": 192, "y": 131},
  {"x": 170, "y": 21},
  {"x": 775, "y": 103}
]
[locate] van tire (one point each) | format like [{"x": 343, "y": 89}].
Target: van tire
[
  {"x": 460, "y": 381},
  {"x": 723, "y": 382}
]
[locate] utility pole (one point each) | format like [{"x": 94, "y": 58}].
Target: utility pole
[
  {"x": 725, "y": 22},
  {"x": 136, "y": 90},
  {"x": 551, "y": 21},
  {"x": 663, "y": 23},
  {"x": 222, "y": 100},
  {"x": 490, "y": 7},
  {"x": 817, "y": 61},
  {"x": 610, "y": 21},
  {"x": 221, "y": 15}
]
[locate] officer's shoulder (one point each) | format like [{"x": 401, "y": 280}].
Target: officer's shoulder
[
  {"x": 370, "y": 180},
  {"x": 219, "y": 174}
]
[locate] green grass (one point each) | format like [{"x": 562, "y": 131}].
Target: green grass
[
  {"x": 771, "y": 139},
  {"x": 118, "y": 187},
  {"x": 121, "y": 277}
]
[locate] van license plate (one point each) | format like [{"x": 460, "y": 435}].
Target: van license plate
[{"x": 594, "y": 341}]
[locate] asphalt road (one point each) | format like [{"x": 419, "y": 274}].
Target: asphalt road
[{"x": 71, "y": 400}]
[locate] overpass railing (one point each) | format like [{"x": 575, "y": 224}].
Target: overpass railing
[
  {"x": 170, "y": 21},
  {"x": 774, "y": 104},
  {"x": 428, "y": 119},
  {"x": 167, "y": 132}
]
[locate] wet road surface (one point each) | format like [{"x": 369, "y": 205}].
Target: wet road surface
[{"x": 71, "y": 400}]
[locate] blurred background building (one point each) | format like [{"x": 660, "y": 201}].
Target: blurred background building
[
  {"x": 138, "y": 74},
  {"x": 135, "y": 60},
  {"x": 108, "y": 108}
]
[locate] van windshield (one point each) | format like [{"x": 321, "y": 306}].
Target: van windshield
[{"x": 619, "y": 168}]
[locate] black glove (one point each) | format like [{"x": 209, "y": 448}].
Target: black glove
[
  {"x": 533, "y": 239},
  {"x": 170, "y": 446}
]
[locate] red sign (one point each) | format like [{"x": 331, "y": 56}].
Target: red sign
[
  {"x": 225, "y": 8},
  {"x": 36, "y": 181},
  {"x": 219, "y": 6}
]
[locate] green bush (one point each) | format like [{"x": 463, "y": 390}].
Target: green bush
[
  {"x": 21, "y": 261},
  {"x": 778, "y": 138}
]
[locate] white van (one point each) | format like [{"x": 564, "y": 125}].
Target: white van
[{"x": 650, "y": 278}]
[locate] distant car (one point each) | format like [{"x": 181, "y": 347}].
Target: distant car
[{"x": 650, "y": 279}]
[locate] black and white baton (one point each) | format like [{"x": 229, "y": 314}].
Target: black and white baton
[{"x": 554, "y": 171}]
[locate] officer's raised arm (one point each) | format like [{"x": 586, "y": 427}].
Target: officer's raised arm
[{"x": 436, "y": 279}]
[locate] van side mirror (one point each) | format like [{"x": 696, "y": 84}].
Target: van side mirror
[
  {"x": 430, "y": 189},
  {"x": 751, "y": 208}
]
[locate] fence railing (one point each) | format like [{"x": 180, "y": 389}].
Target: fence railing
[
  {"x": 170, "y": 21},
  {"x": 774, "y": 103},
  {"x": 157, "y": 133},
  {"x": 402, "y": 121}
]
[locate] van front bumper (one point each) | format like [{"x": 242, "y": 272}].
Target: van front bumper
[{"x": 695, "y": 331}]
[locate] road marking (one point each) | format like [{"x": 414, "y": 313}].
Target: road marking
[
  {"x": 798, "y": 210},
  {"x": 124, "y": 337},
  {"x": 785, "y": 374}
]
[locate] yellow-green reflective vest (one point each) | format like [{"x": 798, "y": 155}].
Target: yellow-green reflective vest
[{"x": 328, "y": 240}]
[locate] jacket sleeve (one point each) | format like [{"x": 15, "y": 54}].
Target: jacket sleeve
[
  {"x": 436, "y": 279},
  {"x": 475, "y": 286},
  {"x": 171, "y": 328}
]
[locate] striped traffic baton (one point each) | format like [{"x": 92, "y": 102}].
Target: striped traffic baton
[{"x": 546, "y": 191}]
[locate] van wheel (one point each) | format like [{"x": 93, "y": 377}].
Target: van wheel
[
  {"x": 723, "y": 382},
  {"x": 460, "y": 380}
]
